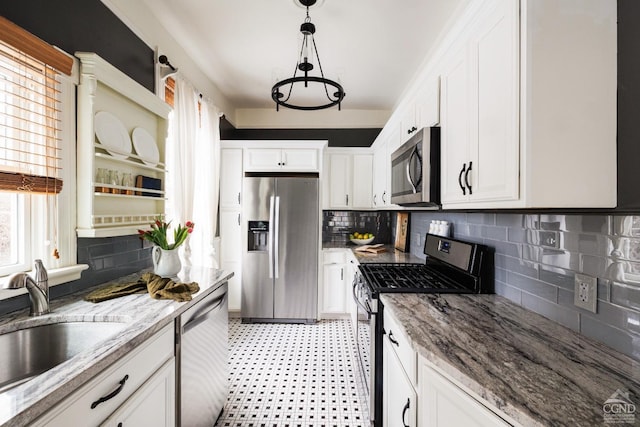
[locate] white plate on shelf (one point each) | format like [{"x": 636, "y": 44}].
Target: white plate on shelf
[
  {"x": 112, "y": 134},
  {"x": 145, "y": 146}
]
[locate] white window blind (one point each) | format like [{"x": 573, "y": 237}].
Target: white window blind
[{"x": 29, "y": 111}]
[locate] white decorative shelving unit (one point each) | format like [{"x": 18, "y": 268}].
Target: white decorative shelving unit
[{"x": 112, "y": 212}]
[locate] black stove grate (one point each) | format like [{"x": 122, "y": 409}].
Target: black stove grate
[{"x": 382, "y": 277}]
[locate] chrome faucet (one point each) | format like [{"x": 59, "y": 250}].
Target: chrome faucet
[{"x": 38, "y": 289}]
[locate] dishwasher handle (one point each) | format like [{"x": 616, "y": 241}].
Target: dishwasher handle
[{"x": 204, "y": 313}]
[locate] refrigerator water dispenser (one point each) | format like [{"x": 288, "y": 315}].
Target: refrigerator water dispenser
[{"x": 258, "y": 235}]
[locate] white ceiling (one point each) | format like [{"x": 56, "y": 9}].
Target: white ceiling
[{"x": 372, "y": 47}]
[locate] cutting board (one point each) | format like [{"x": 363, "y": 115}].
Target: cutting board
[
  {"x": 402, "y": 232},
  {"x": 372, "y": 249}
]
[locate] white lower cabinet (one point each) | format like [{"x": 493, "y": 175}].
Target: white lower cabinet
[
  {"x": 135, "y": 388},
  {"x": 399, "y": 399},
  {"x": 352, "y": 307},
  {"x": 231, "y": 256},
  {"x": 334, "y": 283},
  {"x": 416, "y": 394},
  {"x": 152, "y": 405},
  {"x": 444, "y": 404}
]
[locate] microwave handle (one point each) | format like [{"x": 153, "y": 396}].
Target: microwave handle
[{"x": 409, "y": 178}]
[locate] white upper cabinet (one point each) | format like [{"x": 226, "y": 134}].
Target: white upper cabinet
[
  {"x": 280, "y": 160},
  {"x": 339, "y": 180},
  {"x": 382, "y": 168},
  {"x": 231, "y": 178},
  {"x": 421, "y": 110},
  {"x": 347, "y": 179},
  {"x": 455, "y": 130},
  {"x": 428, "y": 102},
  {"x": 480, "y": 141},
  {"x": 526, "y": 102}
]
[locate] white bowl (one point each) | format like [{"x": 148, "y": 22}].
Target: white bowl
[{"x": 362, "y": 241}]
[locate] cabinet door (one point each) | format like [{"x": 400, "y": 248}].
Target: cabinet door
[
  {"x": 380, "y": 170},
  {"x": 231, "y": 178},
  {"x": 428, "y": 104},
  {"x": 362, "y": 185},
  {"x": 409, "y": 121},
  {"x": 153, "y": 404},
  {"x": 399, "y": 398},
  {"x": 127, "y": 375},
  {"x": 235, "y": 284},
  {"x": 495, "y": 128},
  {"x": 300, "y": 159},
  {"x": 230, "y": 236},
  {"x": 333, "y": 293},
  {"x": 443, "y": 404},
  {"x": 263, "y": 159},
  {"x": 340, "y": 181},
  {"x": 454, "y": 120}
]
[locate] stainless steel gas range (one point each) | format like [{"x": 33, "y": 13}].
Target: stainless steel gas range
[{"x": 451, "y": 266}]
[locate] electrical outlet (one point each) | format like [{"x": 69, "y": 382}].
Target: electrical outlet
[
  {"x": 586, "y": 292},
  {"x": 549, "y": 239}
]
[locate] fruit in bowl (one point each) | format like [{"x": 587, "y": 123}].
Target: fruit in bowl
[{"x": 361, "y": 238}]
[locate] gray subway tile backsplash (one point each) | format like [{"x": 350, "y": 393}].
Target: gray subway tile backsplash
[
  {"x": 538, "y": 255},
  {"x": 108, "y": 258}
]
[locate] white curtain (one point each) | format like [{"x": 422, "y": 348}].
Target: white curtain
[{"x": 193, "y": 156}]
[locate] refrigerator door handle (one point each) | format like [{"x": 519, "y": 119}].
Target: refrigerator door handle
[
  {"x": 270, "y": 238},
  {"x": 276, "y": 244}
]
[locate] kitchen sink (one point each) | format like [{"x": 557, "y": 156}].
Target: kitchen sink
[{"x": 28, "y": 352}]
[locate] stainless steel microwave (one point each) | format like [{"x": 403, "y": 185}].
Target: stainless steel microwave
[{"x": 415, "y": 170}]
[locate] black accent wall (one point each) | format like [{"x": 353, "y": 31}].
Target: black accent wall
[
  {"x": 628, "y": 104},
  {"x": 353, "y": 137},
  {"x": 85, "y": 25}
]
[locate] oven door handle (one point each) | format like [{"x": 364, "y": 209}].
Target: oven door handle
[{"x": 357, "y": 300}]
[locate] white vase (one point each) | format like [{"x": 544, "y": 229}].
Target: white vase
[{"x": 166, "y": 263}]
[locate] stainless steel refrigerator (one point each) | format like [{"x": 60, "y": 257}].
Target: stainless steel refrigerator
[{"x": 280, "y": 257}]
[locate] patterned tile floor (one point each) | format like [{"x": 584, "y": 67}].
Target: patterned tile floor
[{"x": 290, "y": 375}]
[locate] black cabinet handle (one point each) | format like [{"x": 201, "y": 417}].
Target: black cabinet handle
[
  {"x": 374, "y": 199},
  {"x": 404, "y": 411},
  {"x": 466, "y": 178},
  {"x": 238, "y": 198},
  {"x": 383, "y": 194},
  {"x": 119, "y": 424},
  {"x": 464, "y": 191},
  {"x": 111, "y": 395},
  {"x": 393, "y": 340}
]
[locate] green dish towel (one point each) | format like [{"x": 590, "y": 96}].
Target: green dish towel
[{"x": 157, "y": 287}]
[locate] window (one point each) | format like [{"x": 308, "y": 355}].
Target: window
[{"x": 37, "y": 153}]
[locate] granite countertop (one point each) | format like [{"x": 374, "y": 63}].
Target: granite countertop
[
  {"x": 143, "y": 317},
  {"x": 532, "y": 369},
  {"x": 392, "y": 255}
]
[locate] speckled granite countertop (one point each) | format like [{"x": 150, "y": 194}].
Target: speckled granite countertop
[
  {"x": 391, "y": 255},
  {"x": 534, "y": 370},
  {"x": 144, "y": 317}
]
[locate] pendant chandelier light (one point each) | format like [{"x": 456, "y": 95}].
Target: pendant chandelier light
[{"x": 333, "y": 90}]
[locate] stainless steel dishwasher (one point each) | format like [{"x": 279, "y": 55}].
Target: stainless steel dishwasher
[{"x": 203, "y": 351}]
